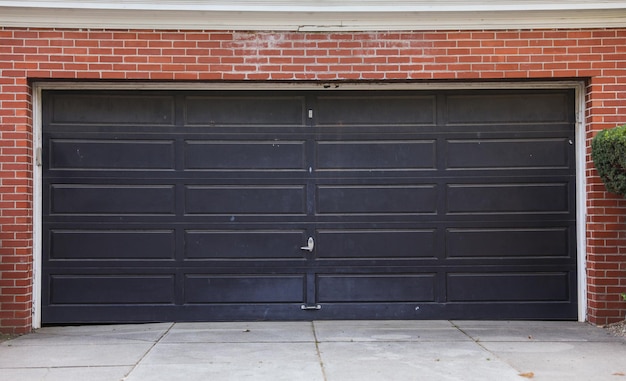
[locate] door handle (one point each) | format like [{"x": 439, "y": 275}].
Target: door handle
[{"x": 309, "y": 245}]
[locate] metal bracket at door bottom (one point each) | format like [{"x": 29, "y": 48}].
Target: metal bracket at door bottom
[{"x": 310, "y": 308}]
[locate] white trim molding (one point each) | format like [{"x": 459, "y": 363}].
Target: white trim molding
[
  {"x": 579, "y": 87},
  {"x": 314, "y": 15}
]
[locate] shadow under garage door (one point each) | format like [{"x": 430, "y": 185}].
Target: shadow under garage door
[{"x": 231, "y": 205}]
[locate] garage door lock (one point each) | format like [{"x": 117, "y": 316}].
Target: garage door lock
[{"x": 309, "y": 245}]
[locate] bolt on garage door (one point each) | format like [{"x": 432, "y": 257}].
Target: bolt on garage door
[{"x": 296, "y": 205}]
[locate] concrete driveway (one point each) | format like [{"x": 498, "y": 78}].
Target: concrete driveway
[{"x": 319, "y": 350}]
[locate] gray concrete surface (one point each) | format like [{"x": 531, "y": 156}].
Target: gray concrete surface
[{"x": 320, "y": 350}]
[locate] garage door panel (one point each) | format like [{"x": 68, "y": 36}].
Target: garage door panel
[
  {"x": 370, "y": 109},
  {"x": 377, "y": 288},
  {"x": 375, "y": 199},
  {"x": 508, "y": 198},
  {"x": 100, "y": 109},
  {"x": 507, "y": 154},
  {"x": 201, "y": 289},
  {"x": 112, "y": 245},
  {"x": 263, "y": 110},
  {"x": 111, "y": 199},
  {"x": 249, "y": 199},
  {"x": 508, "y": 108},
  {"x": 112, "y": 289},
  {"x": 508, "y": 243},
  {"x": 377, "y": 244},
  {"x": 375, "y": 155},
  {"x": 244, "y": 244},
  {"x": 520, "y": 287},
  {"x": 419, "y": 204},
  {"x": 115, "y": 155},
  {"x": 245, "y": 155}
]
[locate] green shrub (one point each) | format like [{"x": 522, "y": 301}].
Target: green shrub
[{"x": 608, "y": 152}]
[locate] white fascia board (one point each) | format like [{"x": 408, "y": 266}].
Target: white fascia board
[
  {"x": 323, "y": 6},
  {"x": 328, "y": 15}
]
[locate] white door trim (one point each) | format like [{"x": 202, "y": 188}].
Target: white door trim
[{"x": 578, "y": 86}]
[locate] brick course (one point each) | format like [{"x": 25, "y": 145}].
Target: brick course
[{"x": 596, "y": 56}]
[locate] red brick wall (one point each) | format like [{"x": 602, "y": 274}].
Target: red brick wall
[{"x": 597, "y": 56}]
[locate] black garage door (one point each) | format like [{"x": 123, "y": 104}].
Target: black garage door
[{"x": 230, "y": 205}]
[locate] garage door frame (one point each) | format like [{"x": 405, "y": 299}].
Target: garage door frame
[{"x": 579, "y": 133}]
